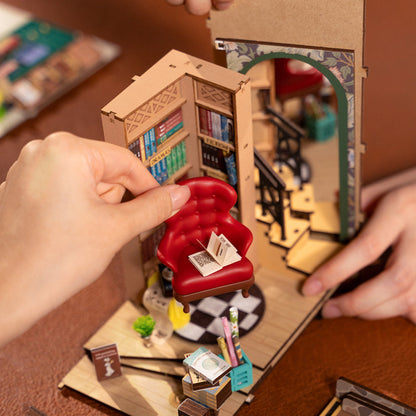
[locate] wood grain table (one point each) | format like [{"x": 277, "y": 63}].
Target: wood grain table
[{"x": 380, "y": 355}]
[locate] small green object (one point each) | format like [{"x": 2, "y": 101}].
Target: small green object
[{"x": 144, "y": 325}]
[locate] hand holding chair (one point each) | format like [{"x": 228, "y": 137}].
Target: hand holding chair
[{"x": 207, "y": 210}]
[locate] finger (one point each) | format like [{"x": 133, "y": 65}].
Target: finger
[
  {"x": 222, "y": 4},
  {"x": 116, "y": 165},
  {"x": 367, "y": 297},
  {"x": 148, "y": 210},
  {"x": 371, "y": 193},
  {"x": 110, "y": 193},
  {"x": 397, "y": 306},
  {"x": 198, "y": 7},
  {"x": 397, "y": 279},
  {"x": 175, "y": 2},
  {"x": 106, "y": 162},
  {"x": 378, "y": 234},
  {"x": 403, "y": 305}
]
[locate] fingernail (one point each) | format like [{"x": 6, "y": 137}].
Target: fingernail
[
  {"x": 179, "y": 195},
  {"x": 331, "y": 311},
  {"x": 222, "y": 5},
  {"x": 312, "y": 287}
]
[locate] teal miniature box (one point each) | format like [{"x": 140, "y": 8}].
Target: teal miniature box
[
  {"x": 241, "y": 376},
  {"x": 321, "y": 129}
]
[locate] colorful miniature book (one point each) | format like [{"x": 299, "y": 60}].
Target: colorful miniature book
[
  {"x": 218, "y": 254},
  {"x": 216, "y": 125},
  {"x": 207, "y": 365},
  {"x": 213, "y": 397},
  {"x": 198, "y": 382},
  {"x": 191, "y": 407},
  {"x": 106, "y": 361},
  {"x": 231, "y": 167}
]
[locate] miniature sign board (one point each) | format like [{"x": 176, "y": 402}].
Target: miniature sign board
[
  {"x": 219, "y": 253},
  {"x": 106, "y": 361},
  {"x": 353, "y": 399}
]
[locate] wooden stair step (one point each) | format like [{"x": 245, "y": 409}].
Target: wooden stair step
[
  {"x": 287, "y": 176},
  {"x": 293, "y": 251},
  {"x": 326, "y": 218},
  {"x": 295, "y": 228},
  {"x": 313, "y": 254},
  {"x": 267, "y": 219},
  {"x": 303, "y": 200}
]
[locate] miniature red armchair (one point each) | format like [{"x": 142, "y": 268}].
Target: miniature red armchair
[
  {"x": 292, "y": 80},
  {"x": 207, "y": 210}
]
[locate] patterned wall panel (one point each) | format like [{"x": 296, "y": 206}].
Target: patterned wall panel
[
  {"x": 211, "y": 95},
  {"x": 139, "y": 120}
]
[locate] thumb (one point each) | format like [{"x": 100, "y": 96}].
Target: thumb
[{"x": 149, "y": 209}]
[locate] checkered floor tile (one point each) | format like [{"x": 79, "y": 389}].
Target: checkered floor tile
[{"x": 205, "y": 325}]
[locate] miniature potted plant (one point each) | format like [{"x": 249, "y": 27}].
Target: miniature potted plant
[{"x": 144, "y": 326}]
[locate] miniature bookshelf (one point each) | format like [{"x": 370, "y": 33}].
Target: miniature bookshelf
[
  {"x": 185, "y": 118},
  {"x": 263, "y": 82}
]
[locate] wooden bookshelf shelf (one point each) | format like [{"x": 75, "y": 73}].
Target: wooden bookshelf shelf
[
  {"x": 177, "y": 175},
  {"x": 261, "y": 84},
  {"x": 260, "y": 116},
  {"x": 169, "y": 144},
  {"x": 213, "y": 107},
  {"x": 215, "y": 173},
  {"x": 152, "y": 122},
  {"x": 228, "y": 147}
]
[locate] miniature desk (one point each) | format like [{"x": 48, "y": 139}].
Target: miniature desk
[{"x": 379, "y": 354}]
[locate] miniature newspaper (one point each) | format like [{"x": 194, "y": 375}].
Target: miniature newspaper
[
  {"x": 219, "y": 253},
  {"x": 207, "y": 365}
]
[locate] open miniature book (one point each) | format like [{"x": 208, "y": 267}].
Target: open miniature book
[{"x": 219, "y": 253}]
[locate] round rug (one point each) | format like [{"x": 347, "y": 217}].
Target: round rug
[{"x": 206, "y": 325}]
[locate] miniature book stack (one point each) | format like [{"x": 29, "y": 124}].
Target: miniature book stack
[{"x": 206, "y": 384}]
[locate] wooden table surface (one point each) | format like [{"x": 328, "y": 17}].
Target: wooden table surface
[{"x": 380, "y": 355}]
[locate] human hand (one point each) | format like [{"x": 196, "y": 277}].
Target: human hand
[
  {"x": 62, "y": 222},
  {"x": 200, "y": 7},
  {"x": 393, "y": 291}
]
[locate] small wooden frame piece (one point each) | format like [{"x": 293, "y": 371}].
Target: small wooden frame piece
[
  {"x": 190, "y": 407},
  {"x": 353, "y": 399}
]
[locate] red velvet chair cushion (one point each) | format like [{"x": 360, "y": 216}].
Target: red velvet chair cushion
[
  {"x": 207, "y": 210},
  {"x": 290, "y": 80},
  {"x": 189, "y": 280}
]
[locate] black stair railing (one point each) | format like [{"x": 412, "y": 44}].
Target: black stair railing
[
  {"x": 289, "y": 136},
  {"x": 271, "y": 184}
]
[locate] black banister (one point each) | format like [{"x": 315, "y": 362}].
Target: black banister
[
  {"x": 270, "y": 182},
  {"x": 289, "y": 136}
]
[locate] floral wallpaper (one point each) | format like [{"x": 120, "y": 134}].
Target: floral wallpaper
[{"x": 340, "y": 64}]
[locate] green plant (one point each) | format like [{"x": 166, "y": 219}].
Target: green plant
[{"x": 144, "y": 325}]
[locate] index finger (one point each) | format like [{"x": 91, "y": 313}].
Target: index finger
[
  {"x": 117, "y": 165},
  {"x": 381, "y": 231}
]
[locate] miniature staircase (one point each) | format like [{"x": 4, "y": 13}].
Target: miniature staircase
[{"x": 311, "y": 227}]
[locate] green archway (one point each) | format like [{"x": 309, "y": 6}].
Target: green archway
[{"x": 342, "y": 126}]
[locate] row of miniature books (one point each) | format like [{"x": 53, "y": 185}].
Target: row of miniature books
[
  {"x": 170, "y": 164},
  {"x": 147, "y": 145},
  {"x": 218, "y": 159},
  {"x": 216, "y": 125}
]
